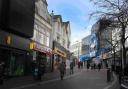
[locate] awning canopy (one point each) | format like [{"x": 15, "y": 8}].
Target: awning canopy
[{"x": 84, "y": 57}]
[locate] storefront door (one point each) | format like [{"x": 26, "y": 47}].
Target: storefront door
[{"x": 14, "y": 62}]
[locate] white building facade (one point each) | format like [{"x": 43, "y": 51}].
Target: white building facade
[
  {"x": 76, "y": 49},
  {"x": 61, "y": 40},
  {"x": 42, "y": 31}
]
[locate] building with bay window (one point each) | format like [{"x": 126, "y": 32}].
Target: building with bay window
[
  {"x": 61, "y": 40},
  {"x": 42, "y": 30}
]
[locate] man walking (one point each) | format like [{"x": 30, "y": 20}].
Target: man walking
[
  {"x": 99, "y": 66},
  {"x": 88, "y": 65},
  {"x": 62, "y": 70},
  {"x": 71, "y": 68}
]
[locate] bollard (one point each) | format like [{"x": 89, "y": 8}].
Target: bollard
[{"x": 108, "y": 75}]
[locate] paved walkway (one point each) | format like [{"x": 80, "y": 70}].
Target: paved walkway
[
  {"x": 28, "y": 80},
  {"x": 19, "y": 81}
]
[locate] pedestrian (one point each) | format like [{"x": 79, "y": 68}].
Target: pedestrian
[
  {"x": 1, "y": 72},
  {"x": 91, "y": 65},
  {"x": 88, "y": 65},
  {"x": 71, "y": 68},
  {"x": 79, "y": 65},
  {"x": 99, "y": 66},
  {"x": 62, "y": 70}
]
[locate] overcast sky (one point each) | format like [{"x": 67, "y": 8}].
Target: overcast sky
[{"x": 75, "y": 11}]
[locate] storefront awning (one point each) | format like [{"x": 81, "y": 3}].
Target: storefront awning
[
  {"x": 60, "y": 52},
  {"x": 40, "y": 48},
  {"x": 84, "y": 57}
]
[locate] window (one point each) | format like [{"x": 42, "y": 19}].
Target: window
[
  {"x": 34, "y": 35},
  {"x": 36, "y": 26},
  {"x": 41, "y": 38},
  {"x": 48, "y": 39},
  {"x": 42, "y": 30},
  {"x": 64, "y": 43}
]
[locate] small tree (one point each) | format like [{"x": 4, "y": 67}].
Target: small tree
[{"x": 117, "y": 12}]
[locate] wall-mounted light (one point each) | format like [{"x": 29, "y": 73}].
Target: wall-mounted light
[
  {"x": 8, "y": 40},
  {"x": 31, "y": 46}
]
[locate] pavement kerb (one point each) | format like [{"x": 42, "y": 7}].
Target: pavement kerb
[{"x": 111, "y": 86}]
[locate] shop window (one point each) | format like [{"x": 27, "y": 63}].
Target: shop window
[{"x": 16, "y": 66}]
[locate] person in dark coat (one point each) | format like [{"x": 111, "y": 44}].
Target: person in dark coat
[
  {"x": 71, "y": 68},
  {"x": 88, "y": 65},
  {"x": 62, "y": 70},
  {"x": 99, "y": 66},
  {"x": 79, "y": 64}
]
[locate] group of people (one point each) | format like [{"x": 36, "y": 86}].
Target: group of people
[{"x": 94, "y": 66}]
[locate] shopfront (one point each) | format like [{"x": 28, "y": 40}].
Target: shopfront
[
  {"x": 14, "y": 51},
  {"x": 59, "y": 54},
  {"x": 42, "y": 55}
]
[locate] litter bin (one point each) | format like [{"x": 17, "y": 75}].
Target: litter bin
[{"x": 108, "y": 75}]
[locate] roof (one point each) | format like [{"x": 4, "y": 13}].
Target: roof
[
  {"x": 65, "y": 23},
  {"x": 57, "y": 16}
]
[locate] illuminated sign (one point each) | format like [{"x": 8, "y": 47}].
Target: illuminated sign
[
  {"x": 59, "y": 52},
  {"x": 39, "y": 47},
  {"x": 8, "y": 40}
]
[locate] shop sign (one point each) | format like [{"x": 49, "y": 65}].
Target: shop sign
[
  {"x": 31, "y": 46},
  {"x": 59, "y": 52},
  {"x": 42, "y": 48},
  {"x": 8, "y": 40}
]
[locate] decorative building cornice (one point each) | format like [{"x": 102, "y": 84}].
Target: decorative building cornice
[
  {"x": 43, "y": 21},
  {"x": 56, "y": 17}
]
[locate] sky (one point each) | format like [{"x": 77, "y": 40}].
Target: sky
[{"x": 77, "y": 12}]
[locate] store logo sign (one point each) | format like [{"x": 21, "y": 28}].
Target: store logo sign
[{"x": 8, "y": 40}]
